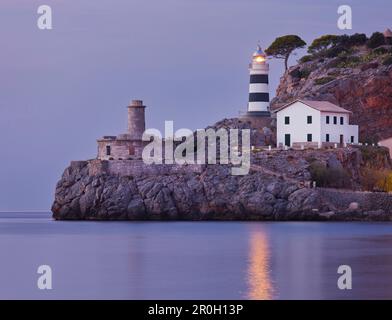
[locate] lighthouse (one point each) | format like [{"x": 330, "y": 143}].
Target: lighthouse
[{"x": 258, "y": 104}]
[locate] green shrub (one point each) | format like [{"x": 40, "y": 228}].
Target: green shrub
[
  {"x": 385, "y": 183},
  {"x": 329, "y": 177},
  {"x": 336, "y": 51},
  {"x": 376, "y": 179},
  {"x": 324, "y": 80},
  {"x": 304, "y": 73},
  {"x": 358, "y": 39},
  {"x": 323, "y": 43},
  {"x": 376, "y": 40},
  {"x": 334, "y": 63},
  {"x": 369, "y": 57},
  {"x": 380, "y": 51},
  {"x": 387, "y": 61},
  {"x": 369, "y": 139},
  {"x": 301, "y": 74},
  {"x": 347, "y": 53},
  {"x": 306, "y": 58},
  {"x": 350, "y": 62}
]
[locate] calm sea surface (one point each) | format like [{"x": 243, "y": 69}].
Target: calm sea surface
[{"x": 192, "y": 260}]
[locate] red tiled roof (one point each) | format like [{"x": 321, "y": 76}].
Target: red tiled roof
[{"x": 388, "y": 33}]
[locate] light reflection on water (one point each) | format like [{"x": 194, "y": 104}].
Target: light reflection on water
[
  {"x": 193, "y": 260},
  {"x": 259, "y": 278}
]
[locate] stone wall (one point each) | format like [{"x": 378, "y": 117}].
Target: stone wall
[
  {"x": 139, "y": 168},
  {"x": 367, "y": 201},
  {"x": 120, "y": 149}
]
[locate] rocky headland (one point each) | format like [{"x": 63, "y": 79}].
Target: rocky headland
[{"x": 279, "y": 186}]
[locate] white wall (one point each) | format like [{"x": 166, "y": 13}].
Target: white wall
[
  {"x": 335, "y": 130},
  {"x": 298, "y": 127}
]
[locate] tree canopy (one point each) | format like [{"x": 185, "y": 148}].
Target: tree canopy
[
  {"x": 323, "y": 43},
  {"x": 377, "y": 39},
  {"x": 283, "y": 47}
]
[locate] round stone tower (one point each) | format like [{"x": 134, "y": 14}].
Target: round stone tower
[{"x": 136, "y": 119}]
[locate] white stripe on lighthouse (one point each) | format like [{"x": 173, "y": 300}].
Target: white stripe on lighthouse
[
  {"x": 258, "y": 106},
  {"x": 258, "y": 87}
]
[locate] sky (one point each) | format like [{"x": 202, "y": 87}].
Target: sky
[{"x": 61, "y": 89}]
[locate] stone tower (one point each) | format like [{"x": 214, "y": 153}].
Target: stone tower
[
  {"x": 258, "y": 104},
  {"x": 136, "y": 119}
]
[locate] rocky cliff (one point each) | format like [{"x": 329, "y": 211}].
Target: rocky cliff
[
  {"x": 360, "y": 82},
  {"x": 276, "y": 188}
]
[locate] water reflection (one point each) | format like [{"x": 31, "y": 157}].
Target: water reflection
[
  {"x": 259, "y": 278},
  {"x": 191, "y": 260}
]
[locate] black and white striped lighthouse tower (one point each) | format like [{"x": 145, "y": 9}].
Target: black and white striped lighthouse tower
[{"x": 258, "y": 104}]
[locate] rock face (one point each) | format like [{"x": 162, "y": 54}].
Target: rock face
[
  {"x": 211, "y": 193},
  {"x": 274, "y": 189},
  {"x": 365, "y": 88}
]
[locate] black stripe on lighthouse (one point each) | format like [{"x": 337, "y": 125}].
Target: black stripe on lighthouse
[
  {"x": 259, "y": 78},
  {"x": 259, "y": 97}
]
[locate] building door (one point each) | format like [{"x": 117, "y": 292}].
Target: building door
[
  {"x": 341, "y": 140},
  {"x": 287, "y": 140}
]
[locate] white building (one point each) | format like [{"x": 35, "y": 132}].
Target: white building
[{"x": 314, "y": 124}]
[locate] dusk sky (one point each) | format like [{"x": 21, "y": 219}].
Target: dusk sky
[{"x": 187, "y": 60}]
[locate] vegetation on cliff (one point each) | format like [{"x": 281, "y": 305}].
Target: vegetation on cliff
[
  {"x": 367, "y": 169},
  {"x": 376, "y": 171}
]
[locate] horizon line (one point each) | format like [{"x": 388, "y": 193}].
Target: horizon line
[{"x": 25, "y": 211}]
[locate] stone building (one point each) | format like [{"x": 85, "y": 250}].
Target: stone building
[{"x": 126, "y": 146}]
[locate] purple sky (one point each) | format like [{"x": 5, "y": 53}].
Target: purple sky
[{"x": 187, "y": 59}]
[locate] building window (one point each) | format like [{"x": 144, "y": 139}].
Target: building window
[
  {"x": 335, "y": 120},
  {"x": 309, "y": 137},
  {"x": 286, "y": 120},
  {"x": 341, "y": 120},
  {"x": 309, "y": 119},
  {"x": 131, "y": 150},
  {"x": 108, "y": 150},
  {"x": 352, "y": 139},
  {"x": 327, "y": 137},
  {"x": 327, "y": 119}
]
